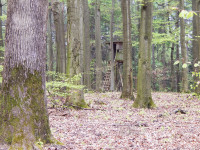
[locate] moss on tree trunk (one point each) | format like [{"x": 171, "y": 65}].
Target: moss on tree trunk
[
  {"x": 23, "y": 113},
  {"x": 144, "y": 98},
  {"x": 74, "y": 18}
]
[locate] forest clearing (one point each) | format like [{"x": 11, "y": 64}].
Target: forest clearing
[{"x": 115, "y": 124}]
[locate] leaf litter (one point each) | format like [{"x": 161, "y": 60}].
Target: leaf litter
[
  {"x": 174, "y": 124},
  {"x": 113, "y": 124}
]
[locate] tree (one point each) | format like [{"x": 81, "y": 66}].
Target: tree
[
  {"x": 57, "y": 9},
  {"x": 183, "y": 51},
  {"x": 98, "y": 46},
  {"x": 112, "y": 86},
  {"x": 86, "y": 19},
  {"x": 144, "y": 98},
  {"x": 127, "y": 91},
  {"x": 23, "y": 112},
  {"x": 177, "y": 57},
  {"x": 1, "y": 33},
  {"x": 50, "y": 42},
  {"x": 74, "y": 48},
  {"x": 195, "y": 49}
]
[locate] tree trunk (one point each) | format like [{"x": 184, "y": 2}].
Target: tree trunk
[
  {"x": 23, "y": 112},
  {"x": 177, "y": 58},
  {"x": 57, "y": 9},
  {"x": 74, "y": 48},
  {"x": 87, "y": 55},
  {"x": 153, "y": 67},
  {"x": 173, "y": 81},
  {"x": 98, "y": 47},
  {"x": 144, "y": 98},
  {"x": 183, "y": 51},
  {"x": 112, "y": 86},
  {"x": 50, "y": 43},
  {"x": 1, "y": 34},
  {"x": 195, "y": 47},
  {"x": 127, "y": 90}
]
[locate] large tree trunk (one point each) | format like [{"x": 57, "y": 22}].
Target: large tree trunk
[
  {"x": 98, "y": 47},
  {"x": 50, "y": 43},
  {"x": 144, "y": 98},
  {"x": 127, "y": 91},
  {"x": 74, "y": 48},
  {"x": 57, "y": 9},
  {"x": 87, "y": 55},
  {"x": 112, "y": 85},
  {"x": 183, "y": 51},
  {"x": 23, "y": 112}
]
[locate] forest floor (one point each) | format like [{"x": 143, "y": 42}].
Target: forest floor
[{"x": 112, "y": 124}]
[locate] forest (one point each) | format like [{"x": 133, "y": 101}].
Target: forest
[{"x": 99, "y": 74}]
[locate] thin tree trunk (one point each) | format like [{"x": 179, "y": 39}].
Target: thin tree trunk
[
  {"x": 23, "y": 113},
  {"x": 1, "y": 34},
  {"x": 177, "y": 58},
  {"x": 144, "y": 98},
  {"x": 74, "y": 12},
  {"x": 112, "y": 86},
  {"x": 173, "y": 81},
  {"x": 50, "y": 43},
  {"x": 87, "y": 54},
  {"x": 183, "y": 51},
  {"x": 57, "y": 9},
  {"x": 127, "y": 91},
  {"x": 153, "y": 66},
  {"x": 195, "y": 48},
  {"x": 98, "y": 46}
]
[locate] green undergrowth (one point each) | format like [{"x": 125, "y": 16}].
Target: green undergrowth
[{"x": 64, "y": 91}]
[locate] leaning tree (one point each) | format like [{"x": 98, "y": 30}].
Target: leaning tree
[{"x": 23, "y": 113}]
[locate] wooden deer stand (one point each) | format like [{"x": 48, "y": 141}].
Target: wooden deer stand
[{"x": 118, "y": 63}]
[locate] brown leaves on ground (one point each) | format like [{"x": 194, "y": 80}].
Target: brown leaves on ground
[{"x": 114, "y": 124}]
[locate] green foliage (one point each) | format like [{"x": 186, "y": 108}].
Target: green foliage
[
  {"x": 187, "y": 14},
  {"x": 1, "y": 70},
  {"x": 184, "y": 65},
  {"x": 3, "y": 17},
  {"x": 62, "y": 87}
]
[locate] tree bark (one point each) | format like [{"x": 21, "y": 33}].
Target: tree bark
[
  {"x": 112, "y": 85},
  {"x": 1, "y": 34},
  {"x": 177, "y": 58},
  {"x": 50, "y": 43},
  {"x": 87, "y": 54},
  {"x": 173, "y": 81},
  {"x": 23, "y": 112},
  {"x": 183, "y": 51},
  {"x": 57, "y": 9},
  {"x": 144, "y": 98},
  {"x": 74, "y": 48},
  {"x": 98, "y": 46},
  {"x": 127, "y": 90},
  {"x": 195, "y": 47}
]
